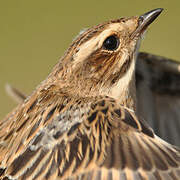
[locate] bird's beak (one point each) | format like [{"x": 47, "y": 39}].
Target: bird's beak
[{"x": 145, "y": 20}]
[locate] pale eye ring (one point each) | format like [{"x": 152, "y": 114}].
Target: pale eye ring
[{"x": 111, "y": 43}]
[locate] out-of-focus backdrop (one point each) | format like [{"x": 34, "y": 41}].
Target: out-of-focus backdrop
[{"x": 34, "y": 34}]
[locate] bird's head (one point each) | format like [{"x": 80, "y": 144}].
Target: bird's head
[{"x": 101, "y": 60}]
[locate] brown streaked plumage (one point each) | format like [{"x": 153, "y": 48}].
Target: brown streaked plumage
[
  {"x": 80, "y": 122},
  {"x": 158, "y": 94}
]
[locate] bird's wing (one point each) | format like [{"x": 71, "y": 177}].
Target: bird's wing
[
  {"x": 86, "y": 139},
  {"x": 17, "y": 95},
  {"x": 158, "y": 95}
]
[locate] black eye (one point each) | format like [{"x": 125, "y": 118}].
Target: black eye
[{"x": 111, "y": 43}]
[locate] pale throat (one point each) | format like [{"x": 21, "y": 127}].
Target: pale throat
[{"x": 124, "y": 91}]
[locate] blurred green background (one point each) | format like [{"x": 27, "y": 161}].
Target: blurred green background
[{"x": 35, "y": 33}]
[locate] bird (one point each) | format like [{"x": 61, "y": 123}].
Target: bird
[{"x": 81, "y": 122}]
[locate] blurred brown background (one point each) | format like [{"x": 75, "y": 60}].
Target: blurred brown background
[{"x": 35, "y": 33}]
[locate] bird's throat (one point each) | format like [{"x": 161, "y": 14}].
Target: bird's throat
[
  {"x": 128, "y": 97},
  {"x": 124, "y": 91}
]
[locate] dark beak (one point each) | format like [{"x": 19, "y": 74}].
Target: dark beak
[{"x": 145, "y": 20}]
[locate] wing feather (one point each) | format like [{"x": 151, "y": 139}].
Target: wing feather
[
  {"x": 158, "y": 95},
  {"x": 93, "y": 139}
]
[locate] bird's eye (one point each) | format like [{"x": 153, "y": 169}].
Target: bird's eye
[{"x": 111, "y": 43}]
